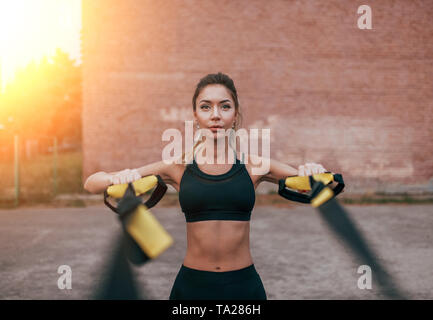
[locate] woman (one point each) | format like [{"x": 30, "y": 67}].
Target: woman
[{"x": 217, "y": 200}]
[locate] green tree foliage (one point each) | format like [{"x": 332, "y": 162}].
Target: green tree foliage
[{"x": 44, "y": 99}]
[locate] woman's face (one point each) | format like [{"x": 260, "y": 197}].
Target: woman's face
[{"x": 215, "y": 107}]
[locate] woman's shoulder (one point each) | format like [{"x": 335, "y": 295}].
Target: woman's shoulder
[
  {"x": 254, "y": 165},
  {"x": 251, "y": 159}
]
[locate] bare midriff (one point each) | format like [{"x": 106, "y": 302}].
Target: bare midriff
[{"x": 218, "y": 245}]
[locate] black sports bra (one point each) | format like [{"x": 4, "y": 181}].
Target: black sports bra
[{"x": 227, "y": 196}]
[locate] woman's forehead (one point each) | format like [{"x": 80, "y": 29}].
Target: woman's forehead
[{"x": 214, "y": 93}]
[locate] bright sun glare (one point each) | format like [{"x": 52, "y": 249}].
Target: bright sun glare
[{"x": 31, "y": 29}]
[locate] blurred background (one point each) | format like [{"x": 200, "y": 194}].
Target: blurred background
[
  {"x": 40, "y": 100},
  {"x": 90, "y": 86}
]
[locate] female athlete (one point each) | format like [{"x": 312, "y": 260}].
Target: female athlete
[{"x": 216, "y": 195}]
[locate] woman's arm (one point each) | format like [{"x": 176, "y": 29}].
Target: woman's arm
[
  {"x": 279, "y": 170},
  {"x": 99, "y": 181}
]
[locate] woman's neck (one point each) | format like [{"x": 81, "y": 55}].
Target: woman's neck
[{"x": 222, "y": 153}]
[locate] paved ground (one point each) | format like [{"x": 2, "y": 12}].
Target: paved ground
[{"x": 293, "y": 251}]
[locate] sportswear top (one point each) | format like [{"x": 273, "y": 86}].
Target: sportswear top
[{"x": 227, "y": 196}]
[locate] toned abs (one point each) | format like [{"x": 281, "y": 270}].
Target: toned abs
[{"x": 217, "y": 245}]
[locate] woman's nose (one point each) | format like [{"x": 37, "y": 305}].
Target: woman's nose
[{"x": 215, "y": 113}]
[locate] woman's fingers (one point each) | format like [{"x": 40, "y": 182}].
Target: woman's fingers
[
  {"x": 115, "y": 179},
  {"x": 125, "y": 176},
  {"x": 310, "y": 169},
  {"x": 128, "y": 176},
  {"x": 136, "y": 174},
  {"x": 301, "y": 171},
  {"x": 321, "y": 169}
]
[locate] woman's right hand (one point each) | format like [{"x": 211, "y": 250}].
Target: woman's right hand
[{"x": 125, "y": 176}]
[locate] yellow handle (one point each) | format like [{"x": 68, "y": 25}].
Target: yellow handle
[
  {"x": 147, "y": 232},
  {"x": 303, "y": 183},
  {"x": 140, "y": 186},
  {"x": 322, "y": 197}
]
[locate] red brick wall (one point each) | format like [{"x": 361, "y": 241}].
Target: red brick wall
[{"x": 357, "y": 101}]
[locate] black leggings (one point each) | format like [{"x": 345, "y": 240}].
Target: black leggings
[{"x": 242, "y": 284}]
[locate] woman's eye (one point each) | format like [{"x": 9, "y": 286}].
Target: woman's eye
[{"x": 207, "y": 107}]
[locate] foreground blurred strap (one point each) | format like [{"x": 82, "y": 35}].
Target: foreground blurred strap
[
  {"x": 146, "y": 237},
  {"x": 339, "y": 221},
  {"x": 142, "y": 237},
  {"x": 117, "y": 278}
]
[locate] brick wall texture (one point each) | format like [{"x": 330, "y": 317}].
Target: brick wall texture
[{"x": 359, "y": 102}]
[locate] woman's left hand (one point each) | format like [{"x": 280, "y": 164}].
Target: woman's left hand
[{"x": 309, "y": 169}]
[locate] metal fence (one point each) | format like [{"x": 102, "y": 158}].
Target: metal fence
[{"x": 38, "y": 169}]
